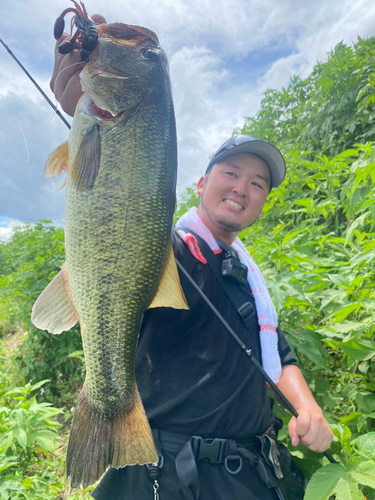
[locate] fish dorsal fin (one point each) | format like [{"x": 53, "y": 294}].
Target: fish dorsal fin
[
  {"x": 54, "y": 309},
  {"x": 57, "y": 161},
  {"x": 170, "y": 293},
  {"x": 86, "y": 163}
]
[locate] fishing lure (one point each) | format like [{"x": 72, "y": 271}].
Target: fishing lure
[{"x": 86, "y": 34}]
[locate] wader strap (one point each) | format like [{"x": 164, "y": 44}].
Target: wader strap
[{"x": 187, "y": 472}]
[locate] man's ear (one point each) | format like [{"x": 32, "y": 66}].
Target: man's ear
[{"x": 200, "y": 185}]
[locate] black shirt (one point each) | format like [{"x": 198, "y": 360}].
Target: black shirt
[{"x": 192, "y": 376}]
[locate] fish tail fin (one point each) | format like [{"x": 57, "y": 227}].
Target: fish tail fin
[
  {"x": 99, "y": 441},
  {"x": 132, "y": 437}
]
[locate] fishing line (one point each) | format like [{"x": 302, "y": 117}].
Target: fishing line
[
  {"x": 34, "y": 82},
  {"x": 19, "y": 124},
  {"x": 24, "y": 138}
]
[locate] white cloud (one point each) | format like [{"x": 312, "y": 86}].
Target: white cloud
[{"x": 7, "y": 228}]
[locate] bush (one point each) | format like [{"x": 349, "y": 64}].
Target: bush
[
  {"x": 31, "y": 259},
  {"x": 28, "y": 441}
]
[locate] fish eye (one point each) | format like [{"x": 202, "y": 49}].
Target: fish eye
[{"x": 149, "y": 54}]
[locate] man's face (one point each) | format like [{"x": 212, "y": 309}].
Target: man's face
[{"x": 233, "y": 194}]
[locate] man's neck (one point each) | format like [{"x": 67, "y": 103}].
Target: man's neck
[{"x": 218, "y": 233}]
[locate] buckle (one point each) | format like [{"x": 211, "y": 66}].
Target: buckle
[
  {"x": 213, "y": 449},
  {"x": 232, "y": 458},
  {"x": 247, "y": 311}
]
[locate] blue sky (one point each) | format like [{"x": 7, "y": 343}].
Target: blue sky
[{"x": 223, "y": 55}]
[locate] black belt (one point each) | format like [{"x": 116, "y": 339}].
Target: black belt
[{"x": 190, "y": 449}]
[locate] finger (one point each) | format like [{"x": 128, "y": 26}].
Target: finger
[
  {"x": 319, "y": 434},
  {"x": 303, "y": 423},
  {"x": 321, "y": 440},
  {"x": 70, "y": 66},
  {"x": 58, "y": 59},
  {"x": 327, "y": 442},
  {"x": 71, "y": 94},
  {"x": 292, "y": 432},
  {"x": 98, "y": 19}
]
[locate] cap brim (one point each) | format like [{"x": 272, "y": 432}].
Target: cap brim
[{"x": 269, "y": 153}]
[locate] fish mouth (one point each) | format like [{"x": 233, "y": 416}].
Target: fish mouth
[
  {"x": 108, "y": 74},
  {"x": 101, "y": 113},
  {"x": 97, "y": 107}
]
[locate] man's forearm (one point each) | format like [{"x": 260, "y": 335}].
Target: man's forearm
[
  {"x": 294, "y": 386},
  {"x": 310, "y": 428}
]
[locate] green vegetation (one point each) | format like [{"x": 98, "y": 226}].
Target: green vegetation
[
  {"x": 32, "y": 453},
  {"x": 32, "y": 257},
  {"x": 315, "y": 245}
]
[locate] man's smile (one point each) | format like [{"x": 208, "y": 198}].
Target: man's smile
[{"x": 233, "y": 204}]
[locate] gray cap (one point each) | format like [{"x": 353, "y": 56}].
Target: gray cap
[{"x": 246, "y": 144}]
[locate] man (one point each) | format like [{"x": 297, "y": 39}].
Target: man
[{"x": 194, "y": 380}]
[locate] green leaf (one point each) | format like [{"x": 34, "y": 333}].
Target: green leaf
[
  {"x": 366, "y": 444},
  {"x": 358, "y": 349},
  {"x": 365, "y": 402},
  {"x": 339, "y": 279},
  {"x": 7, "y": 462},
  {"x": 323, "y": 483},
  {"x": 349, "y": 418},
  {"x": 45, "y": 443},
  {"x": 346, "y": 154},
  {"x": 334, "y": 479},
  {"x": 358, "y": 222},
  {"x": 21, "y": 436},
  {"x": 347, "y": 489},
  {"x": 33, "y": 436},
  {"x": 364, "y": 473},
  {"x": 349, "y": 391},
  {"x": 38, "y": 385},
  {"x": 345, "y": 311}
]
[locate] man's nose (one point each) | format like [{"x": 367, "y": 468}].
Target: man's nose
[{"x": 240, "y": 187}]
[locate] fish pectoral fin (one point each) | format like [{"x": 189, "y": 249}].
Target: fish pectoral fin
[
  {"x": 86, "y": 163},
  {"x": 170, "y": 293},
  {"x": 57, "y": 161},
  {"x": 54, "y": 310}
]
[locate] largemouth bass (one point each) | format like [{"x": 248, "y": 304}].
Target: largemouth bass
[{"x": 121, "y": 160}]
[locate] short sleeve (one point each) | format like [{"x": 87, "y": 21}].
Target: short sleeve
[{"x": 285, "y": 352}]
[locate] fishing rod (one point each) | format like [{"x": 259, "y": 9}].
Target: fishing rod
[
  {"x": 36, "y": 85},
  {"x": 288, "y": 405}
]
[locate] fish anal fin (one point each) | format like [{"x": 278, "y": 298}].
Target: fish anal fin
[
  {"x": 86, "y": 163},
  {"x": 170, "y": 293},
  {"x": 57, "y": 161},
  {"x": 98, "y": 441},
  {"x": 54, "y": 309}
]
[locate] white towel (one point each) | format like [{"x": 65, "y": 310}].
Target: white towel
[{"x": 267, "y": 315}]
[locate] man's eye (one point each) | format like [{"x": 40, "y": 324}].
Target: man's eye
[
  {"x": 258, "y": 185},
  {"x": 232, "y": 174}
]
